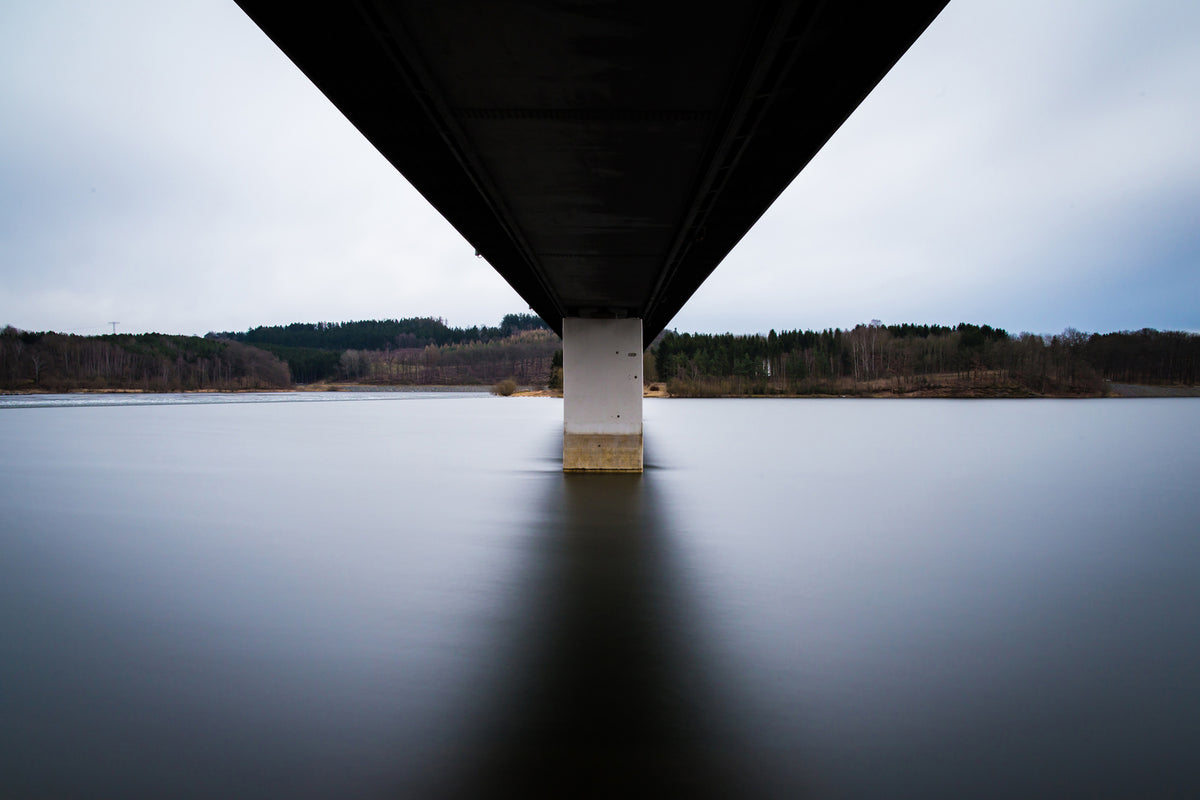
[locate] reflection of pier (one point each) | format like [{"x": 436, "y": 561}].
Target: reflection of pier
[
  {"x": 605, "y": 696},
  {"x": 603, "y": 158}
]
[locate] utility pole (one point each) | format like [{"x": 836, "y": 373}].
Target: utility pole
[{"x": 114, "y": 324}]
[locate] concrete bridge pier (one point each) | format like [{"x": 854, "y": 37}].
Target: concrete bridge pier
[{"x": 602, "y": 395}]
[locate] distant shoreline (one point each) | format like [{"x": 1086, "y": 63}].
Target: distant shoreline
[
  {"x": 329, "y": 387},
  {"x": 658, "y": 390},
  {"x": 1141, "y": 390}
]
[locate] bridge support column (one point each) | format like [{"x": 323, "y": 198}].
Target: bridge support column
[{"x": 602, "y": 395}]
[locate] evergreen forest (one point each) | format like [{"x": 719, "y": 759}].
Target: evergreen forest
[{"x": 411, "y": 351}]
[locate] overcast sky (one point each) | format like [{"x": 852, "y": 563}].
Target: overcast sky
[{"x": 1031, "y": 164}]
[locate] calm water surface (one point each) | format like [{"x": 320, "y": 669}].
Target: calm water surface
[{"x": 401, "y": 595}]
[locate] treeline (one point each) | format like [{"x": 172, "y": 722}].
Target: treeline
[
  {"x": 959, "y": 360},
  {"x": 963, "y": 359},
  {"x": 526, "y": 357},
  {"x": 386, "y": 334},
  {"x": 414, "y": 350},
  {"x": 55, "y": 362}
]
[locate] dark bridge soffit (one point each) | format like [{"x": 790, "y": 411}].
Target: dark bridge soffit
[{"x": 604, "y": 156}]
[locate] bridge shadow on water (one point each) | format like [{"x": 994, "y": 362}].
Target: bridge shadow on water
[{"x": 605, "y": 695}]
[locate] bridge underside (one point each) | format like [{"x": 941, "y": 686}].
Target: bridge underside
[{"x": 604, "y": 157}]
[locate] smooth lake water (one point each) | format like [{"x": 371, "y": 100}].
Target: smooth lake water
[{"x": 401, "y": 595}]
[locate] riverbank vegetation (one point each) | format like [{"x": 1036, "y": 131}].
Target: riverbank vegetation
[
  {"x": 868, "y": 360},
  {"x": 412, "y": 351},
  {"x": 149, "y": 362},
  {"x": 923, "y": 360}
]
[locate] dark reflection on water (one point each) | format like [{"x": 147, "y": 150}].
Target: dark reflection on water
[
  {"x": 409, "y": 599},
  {"x": 608, "y": 698}
]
